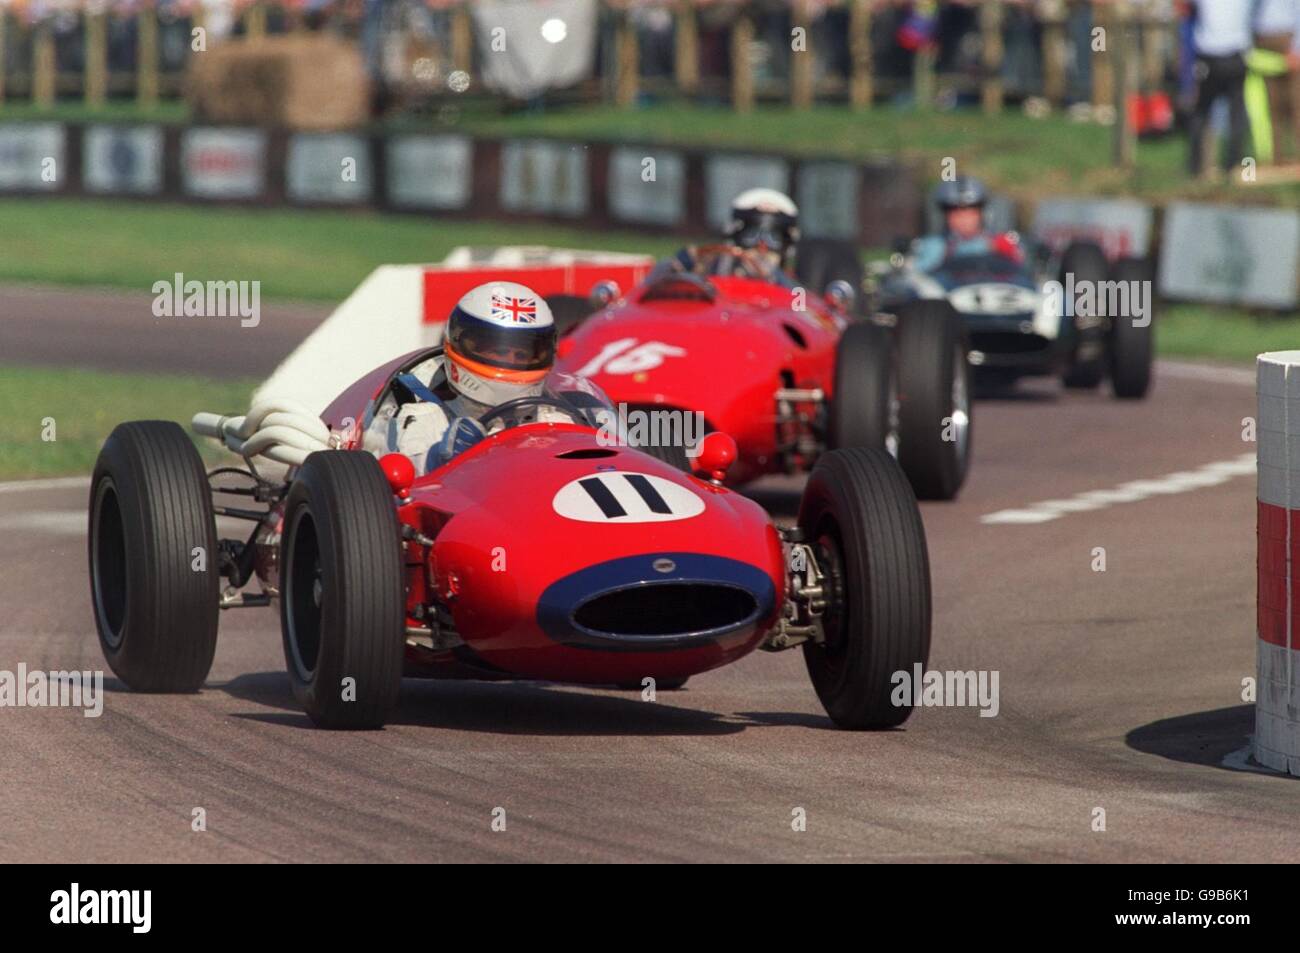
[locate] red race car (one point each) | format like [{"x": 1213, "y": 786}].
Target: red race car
[
  {"x": 790, "y": 374},
  {"x": 540, "y": 552}
]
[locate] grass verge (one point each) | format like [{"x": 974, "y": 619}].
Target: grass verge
[
  {"x": 84, "y": 406},
  {"x": 294, "y": 253},
  {"x": 1222, "y": 334}
]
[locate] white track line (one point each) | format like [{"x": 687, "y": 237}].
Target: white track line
[
  {"x": 57, "y": 483},
  {"x": 53, "y": 522},
  {"x": 1212, "y": 474}
]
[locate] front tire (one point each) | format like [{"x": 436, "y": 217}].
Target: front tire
[
  {"x": 861, "y": 518},
  {"x": 343, "y": 602},
  {"x": 153, "y": 558},
  {"x": 934, "y": 413},
  {"x": 1131, "y": 348}
]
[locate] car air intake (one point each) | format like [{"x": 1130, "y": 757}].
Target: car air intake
[
  {"x": 586, "y": 453},
  {"x": 674, "y": 608}
]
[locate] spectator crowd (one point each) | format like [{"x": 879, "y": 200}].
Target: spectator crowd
[{"x": 1226, "y": 65}]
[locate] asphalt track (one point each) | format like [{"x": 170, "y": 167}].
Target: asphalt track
[{"x": 1119, "y": 690}]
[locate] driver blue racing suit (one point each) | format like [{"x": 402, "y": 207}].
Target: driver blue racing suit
[{"x": 929, "y": 253}]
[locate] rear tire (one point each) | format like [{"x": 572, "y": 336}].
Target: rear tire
[
  {"x": 863, "y": 409},
  {"x": 861, "y": 518},
  {"x": 151, "y": 523},
  {"x": 343, "y": 600},
  {"x": 1131, "y": 349},
  {"x": 1087, "y": 365},
  {"x": 934, "y": 399}
]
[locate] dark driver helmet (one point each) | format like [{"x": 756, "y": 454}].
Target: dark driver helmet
[
  {"x": 764, "y": 217},
  {"x": 965, "y": 191}
]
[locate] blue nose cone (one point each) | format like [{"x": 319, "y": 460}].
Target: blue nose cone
[{"x": 656, "y": 602}]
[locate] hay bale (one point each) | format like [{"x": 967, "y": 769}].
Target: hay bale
[{"x": 299, "y": 82}]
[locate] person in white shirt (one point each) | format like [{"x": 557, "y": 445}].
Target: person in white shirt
[
  {"x": 1277, "y": 29},
  {"x": 1222, "y": 35}
]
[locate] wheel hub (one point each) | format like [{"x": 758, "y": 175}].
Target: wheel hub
[{"x": 828, "y": 559}]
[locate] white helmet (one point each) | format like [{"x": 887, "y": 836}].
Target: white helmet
[
  {"x": 500, "y": 343},
  {"x": 765, "y": 219}
]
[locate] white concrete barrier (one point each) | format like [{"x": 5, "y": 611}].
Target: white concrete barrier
[
  {"x": 382, "y": 319},
  {"x": 401, "y": 308},
  {"x": 1277, "y": 705}
]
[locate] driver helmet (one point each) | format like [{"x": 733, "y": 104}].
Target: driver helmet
[
  {"x": 500, "y": 343},
  {"x": 965, "y": 191},
  {"x": 767, "y": 221}
]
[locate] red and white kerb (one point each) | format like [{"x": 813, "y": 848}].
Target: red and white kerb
[{"x": 1277, "y": 718}]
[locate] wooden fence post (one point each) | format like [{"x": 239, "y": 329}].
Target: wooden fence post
[
  {"x": 1124, "y": 72},
  {"x": 686, "y": 48},
  {"x": 861, "y": 85},
  {"x": 1156, "y": 39},
  {"x": 462, "y": 38},
  {"x": 1103, "y": 67},
  {"x": 43, "y": 90},
  {"x": 146, "y": 81},
  {"x": 629, "y": 62},
  {"x": 742, "y": 71},
  {"x": 1054, "y": 53},
  {"x": 801, "y": 60},
  {"x": 95, "y": 81},
  {"x": 923, "y": 76},
  {"x": 993, "y": 49}
]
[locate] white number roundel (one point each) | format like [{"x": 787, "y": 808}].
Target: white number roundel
[
  {"x": 993, "y": 298},
  {"x": 617, "y": 496}
]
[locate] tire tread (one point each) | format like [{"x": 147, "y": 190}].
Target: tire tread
[{"x": 883, "y": 538}]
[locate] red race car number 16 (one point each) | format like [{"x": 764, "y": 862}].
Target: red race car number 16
[{"x": 625, "y": 356}]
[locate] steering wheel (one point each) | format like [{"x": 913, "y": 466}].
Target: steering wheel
[
  {"x": 748, "y": 259},
  {"x": 538, "y": 401}
]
